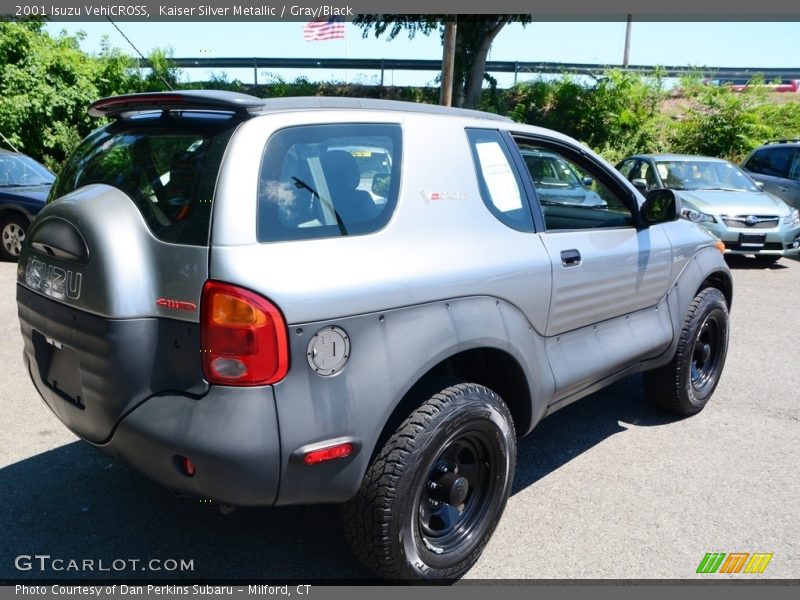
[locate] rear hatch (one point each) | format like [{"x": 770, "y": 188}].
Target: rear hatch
[{"x": 110, "y": 278}]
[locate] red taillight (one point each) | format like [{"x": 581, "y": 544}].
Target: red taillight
[
  {"x": 186, "y": 466},
  {"x": 330, "y": 453},
  {"x": 243, "y": 337}
]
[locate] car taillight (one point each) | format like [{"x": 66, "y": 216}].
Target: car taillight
[{"x": 243, "y": 337}]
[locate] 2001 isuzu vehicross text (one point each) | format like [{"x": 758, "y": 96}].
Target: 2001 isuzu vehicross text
[{"x": 318, "y": 300}]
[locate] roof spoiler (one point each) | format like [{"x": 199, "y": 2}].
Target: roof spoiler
[{"x": 208, "y": 100}]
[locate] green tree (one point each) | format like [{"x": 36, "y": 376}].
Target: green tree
[
  {"x": 47, "y": 82},
  {"x": 474, "y": 37}
]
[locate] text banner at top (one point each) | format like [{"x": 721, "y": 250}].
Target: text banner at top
[{"x": 263, "y": 10}]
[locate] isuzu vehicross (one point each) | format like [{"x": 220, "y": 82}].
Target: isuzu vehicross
[{"x": 318, "y": 300}]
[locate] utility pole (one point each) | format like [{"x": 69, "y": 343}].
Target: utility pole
[
  {"x": 627, "y": 53},
  {"x": 448, "y": 61}
]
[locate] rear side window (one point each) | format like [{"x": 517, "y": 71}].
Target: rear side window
[
  {"x": 167, "y": 166},
  {"x": 500, "y": 186},
  {"x": 320, "y": 181}
]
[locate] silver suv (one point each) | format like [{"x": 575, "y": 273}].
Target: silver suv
[{"x": 212, "y": 296}]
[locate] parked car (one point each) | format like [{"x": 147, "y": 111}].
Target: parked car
[
  {"x": 24, "y": 185},
  {"x": 776, "y": 165},
  {"x": 740, "y": 84},
  {"x": 722, "y": 198},
  {"x": 210, "y": 298}
]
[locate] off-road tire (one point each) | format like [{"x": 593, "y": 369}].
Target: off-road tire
[
  {"x": 685, "y": 385},
  {"x": 388, "y": 523}
]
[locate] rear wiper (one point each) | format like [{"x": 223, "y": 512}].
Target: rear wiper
[{"x": 302, "y": 185}]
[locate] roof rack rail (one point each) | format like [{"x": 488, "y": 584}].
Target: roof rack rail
[
  {"x": 338, "y": 102},
  {"x": 787, "y": 141}
]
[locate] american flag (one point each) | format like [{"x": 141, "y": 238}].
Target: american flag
[{"x": 324, "y": 29}]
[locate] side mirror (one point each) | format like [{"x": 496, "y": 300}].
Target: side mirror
[
  {"x": 380, "y": 185},
  {"x": 661, "y": 206},
  {"x": 587, "y": 181},
  {"x": 641, "y": 185}
]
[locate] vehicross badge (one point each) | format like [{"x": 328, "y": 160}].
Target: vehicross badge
[{"x": 53, "y": 281}]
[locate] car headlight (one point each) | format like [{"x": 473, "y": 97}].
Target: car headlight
[
  {"x": 695, "y": 216},
  {"x": 793, "y": 218}
]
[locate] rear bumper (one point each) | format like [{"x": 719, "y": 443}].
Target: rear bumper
[{"x": 230, "y": 435}]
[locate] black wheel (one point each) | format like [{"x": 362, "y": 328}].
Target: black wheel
[
  {"x": 12, "y": 234},
  {"x": 433, "y": 495},
  {"x": 685, "y": 385},
  {"x": 769, "y": 259}
]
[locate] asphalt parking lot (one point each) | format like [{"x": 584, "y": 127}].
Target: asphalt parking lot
[{"x": 607, "y": 488}]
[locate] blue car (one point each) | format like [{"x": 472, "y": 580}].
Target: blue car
[{"x": 24, "y": 186}]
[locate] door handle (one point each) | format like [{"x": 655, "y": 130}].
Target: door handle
[{"x": 570, "y": 258}]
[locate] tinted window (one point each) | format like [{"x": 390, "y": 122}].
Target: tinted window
[
  {"x": 703, "y": 175},
  {"x": 771, "y": 161},
  {"x": 794, "y": 171},
  {"x": 570, "y": 195},
  {"x": 626, "y": 168},
  {"x": 167, "y": 166},
  {"x": 17, "y": 170},
  {"x": 499, "y": 182},
  {"x": 321, "y": 181}
]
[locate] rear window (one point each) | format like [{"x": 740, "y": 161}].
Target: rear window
[
  {"x": 167, "y": 166},
  {"x": 321, "y": 181}
]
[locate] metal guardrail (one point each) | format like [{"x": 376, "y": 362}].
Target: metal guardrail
[{"x": 492, "y": 66}]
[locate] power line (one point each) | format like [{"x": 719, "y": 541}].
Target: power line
[{"x": 166, "y": 83}]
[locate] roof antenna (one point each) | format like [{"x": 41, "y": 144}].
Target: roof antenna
[
  {"x": 166, "y": 83},
  {"x": 6, "y": 140}
]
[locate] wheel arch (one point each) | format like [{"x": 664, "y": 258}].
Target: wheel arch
[
  {"x": 720, "y": 280},
  {"x": 15, "y": 211},
  {"x": 488, "y": 366}
]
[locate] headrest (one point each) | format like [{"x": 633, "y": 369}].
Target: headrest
[{"x": 341, "y": 170}]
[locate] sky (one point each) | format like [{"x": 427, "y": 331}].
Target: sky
[{"x": 726, "y": 44}]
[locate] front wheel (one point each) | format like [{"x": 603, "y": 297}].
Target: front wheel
[
  {"x": 685, "y": 385},
  {"x": 435, "y": 492}
]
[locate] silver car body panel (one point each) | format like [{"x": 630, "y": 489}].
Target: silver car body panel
[
  {"x": 430, "y": 250},
  {"x": 128, "y": 268},
  {"x": 441, "y": 278}
]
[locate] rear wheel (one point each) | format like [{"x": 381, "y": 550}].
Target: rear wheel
[
  {"x": 769, "y": 259},
  {"x": 434, "y": 494},
  {"x": 12, "y": 234},
  {"x": 685, "y": 385}
]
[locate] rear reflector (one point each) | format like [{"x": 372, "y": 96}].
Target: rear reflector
[
  {"x": 185, "y": 466},
  {"x": 243, "y": 337},
  {"x": 330, "y": 453}
]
